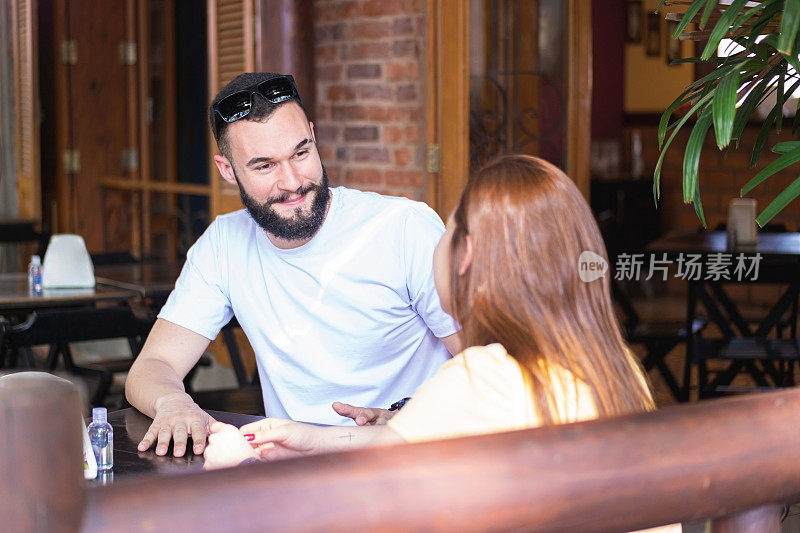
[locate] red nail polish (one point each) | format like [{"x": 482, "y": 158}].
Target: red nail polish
[{"x": 250, "y": 437}]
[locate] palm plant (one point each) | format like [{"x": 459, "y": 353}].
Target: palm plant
[{"x": 726, "y": 98}]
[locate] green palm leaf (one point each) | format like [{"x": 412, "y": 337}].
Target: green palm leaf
[
  {"x": 779, "y": 203},
  {"x": 691, "y": 158},
  {"x": 790, "y": 21},
  {"x": 787, "y": 159},
  {"x": 660, "y": 162},
  {"x": 723, "y": 107},
  {"x": 721, "y": 28}
]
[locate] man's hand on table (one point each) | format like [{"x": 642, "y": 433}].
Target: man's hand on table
[
  {"x": 177, "y": 417},
  {"x": 364, "y": 416}
]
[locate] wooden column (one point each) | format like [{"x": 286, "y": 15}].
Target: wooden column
[{"x": 285, "y": 43}]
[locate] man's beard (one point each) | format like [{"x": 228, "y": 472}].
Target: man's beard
[{"x": 300, "y": 225}]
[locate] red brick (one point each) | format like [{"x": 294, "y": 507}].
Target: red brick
[
  {"x": 412, "y": 5},
  {"x": 403, "y": 26},
  {"x": 379, "y": 114},
  {"x": 369, "y": 29},
  {"x": 322, "y": 112},
  {"x": 327, "y": 133},
  {"x": 736, "y": 159},
  {"x": 403, "y": 70},
  {"x": 722, "y": 179},
  {"x": 380, "y": 8},
  {"x": 404, "y": 178},
  {"x": 407, "y": 93},
  {"x": 329, "y": 73},
  {"x": 392, "y": 134},
  {"x": 406, "y": 48},
  {"x": 374, "y": 92},
  {"x": 361, "y": 133},
  {"x": 365, "y": 176},
  {"x": 367, "y": 50},
  {"x": 402, "y": 157},
  {"x": 341, "y": 93},
  {"x": 326, "y": 152},
  {"x": 348, "y": 112},
  {"x": 323, "y": 33},
  {"x": 413, "y": 134},
  {"x": 334, "y": 173},
  {"x": 371, "y": 155},
  {"x": 364, "y": 70},
  {"x": 336, "y": 11},
  {"x": 332, "y": 32},
  {"x": 326, "y": 53}
]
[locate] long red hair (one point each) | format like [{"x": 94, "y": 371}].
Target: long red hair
[{"x": 528, "y": 225}]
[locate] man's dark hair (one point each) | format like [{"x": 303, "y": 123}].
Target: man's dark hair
[{"x": 261, "y": 109}]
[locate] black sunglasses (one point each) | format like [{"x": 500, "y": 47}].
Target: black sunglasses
[{"x": 238, "y": 105}]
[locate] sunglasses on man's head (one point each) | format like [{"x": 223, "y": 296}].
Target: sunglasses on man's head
[{"x": 238, "y": 105}]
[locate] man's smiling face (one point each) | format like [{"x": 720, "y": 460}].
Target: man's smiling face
[{"x": 277, "y": 168}]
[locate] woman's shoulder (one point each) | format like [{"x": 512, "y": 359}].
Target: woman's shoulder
[{"x": 492, "y": 363}]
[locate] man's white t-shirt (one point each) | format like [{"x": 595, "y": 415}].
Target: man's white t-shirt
[{"x": 352, "y": 315}]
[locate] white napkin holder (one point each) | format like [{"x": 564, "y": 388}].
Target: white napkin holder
[
  {"x": 742, "y": 222},
  {"x": 67, "y": 263}
]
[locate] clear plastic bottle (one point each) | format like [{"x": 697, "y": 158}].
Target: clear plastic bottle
[
  {"x": 35, "y": 275},
  {"x": 101, "y": 435}
]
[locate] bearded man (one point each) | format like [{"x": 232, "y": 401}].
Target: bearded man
[{"x": 332, "y": 286}]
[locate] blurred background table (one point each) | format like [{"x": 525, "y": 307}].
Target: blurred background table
[{"x": 761, "y": 342}]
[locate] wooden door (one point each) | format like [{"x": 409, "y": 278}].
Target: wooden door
[
  {"x": 506, "y": 76},
  {"x": 98, "y": 129}
]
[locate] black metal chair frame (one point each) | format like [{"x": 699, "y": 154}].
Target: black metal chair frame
[
  {"x": 658, "y": 338},
  {"x": 749, "y": 349},
  {"x": 60, "y": 327}
]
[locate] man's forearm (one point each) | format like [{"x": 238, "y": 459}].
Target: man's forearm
[{"x": 150, "y": 380}]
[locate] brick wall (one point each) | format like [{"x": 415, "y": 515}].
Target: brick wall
[
  {"x": 721, "y": 178},
  {"x": 370, "y": 112}
]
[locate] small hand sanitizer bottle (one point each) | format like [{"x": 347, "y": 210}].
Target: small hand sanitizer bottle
[
  {"x": 35, "y": 275},
  {"x": 101, "y": 436}
]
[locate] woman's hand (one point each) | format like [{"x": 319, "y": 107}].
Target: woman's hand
[
  {"x": 226, "y": 447},
  {"x": 276, "y": 438}
]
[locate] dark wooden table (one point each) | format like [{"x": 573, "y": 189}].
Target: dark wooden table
[
  {"x": 744, "y": 338},
  {"x": 129, "y": 428},
  {"x": 15, "y": 297},
  {"x": 786, "y": 244},
  {"x": 153, "y": 281}
]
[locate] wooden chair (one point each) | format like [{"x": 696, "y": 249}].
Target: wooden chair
[{"x": 659, "y": 338}]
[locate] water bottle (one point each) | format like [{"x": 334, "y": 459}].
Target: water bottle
[
  {"x": 35, "y": 275},
  {"x": 101, "y": 435}
]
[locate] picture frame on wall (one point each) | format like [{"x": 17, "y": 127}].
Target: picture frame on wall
[
  {"x": 673, "y": 45},
  {"x": 633, "y": 21},
  {"x": 653, "y": 37}
]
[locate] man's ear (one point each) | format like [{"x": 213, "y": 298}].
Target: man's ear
[
  {"x": 466, "y": 259},
  {"x": 313, "y": 135},
  {"x": 225, "y": 169}
]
